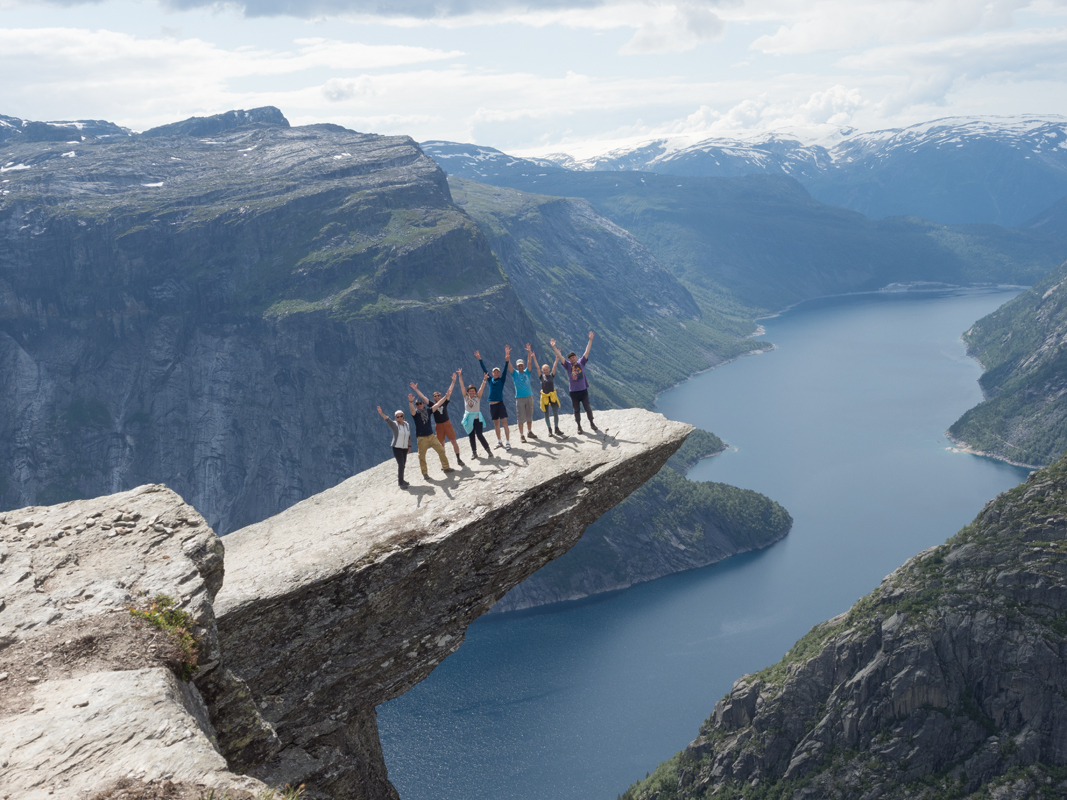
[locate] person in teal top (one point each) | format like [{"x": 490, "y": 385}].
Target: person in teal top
[
  {"x": 521, "y": 375},
  {"x": 498, "y": 412}
]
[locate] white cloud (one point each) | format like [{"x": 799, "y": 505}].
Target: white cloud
[
  {"x": 840, "y": 25},
  {"x": 682, "y": 27}
]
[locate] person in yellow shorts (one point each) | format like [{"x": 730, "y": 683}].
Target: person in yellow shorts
[{"x": 549, "y": 398}]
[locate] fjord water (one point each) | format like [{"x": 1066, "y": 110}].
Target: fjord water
[{"x": 843, "y": 425}]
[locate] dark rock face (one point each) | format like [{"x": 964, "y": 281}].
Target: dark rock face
[
  {"x": 222, "y": 315},
  {"x": 950, "y": 676}
]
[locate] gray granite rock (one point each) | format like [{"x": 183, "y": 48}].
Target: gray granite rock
[
  {"x": 68, "y": 576},
  {"x": 338, "y": 604},
  {"x": 349, "y": 598},
  {"x": 949, "y": 680}
]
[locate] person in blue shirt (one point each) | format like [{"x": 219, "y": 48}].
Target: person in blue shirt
[
  {"x": 497, "y": 410},
  {"x": 521, "y": 376}
]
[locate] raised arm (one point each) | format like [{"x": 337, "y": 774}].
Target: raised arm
[
  {"x": 382, "y": 414},
  {"x": 444, "y": 399},
  {"x": 507, "y": 359},
  {"x": 532, "y": 359},
  {"x": 555, "y": 363},
  {"x": 589, "y": 346},
  {"x": 411, "y": 404},
  {"x": 415, "y": 386},
  {"x": 478, "y": 355},
  {"x": 552, "y": 344},
  {"x": 481, "y": 388}
]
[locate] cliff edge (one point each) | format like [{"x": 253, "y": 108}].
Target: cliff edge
[{"x": 340, "y": 603}]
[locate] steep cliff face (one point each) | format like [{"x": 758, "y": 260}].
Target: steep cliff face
[
  {"x": 222, "y": 314},
  {"x": 1023, "y": 346},
  {"x": 950, "y": 677}
]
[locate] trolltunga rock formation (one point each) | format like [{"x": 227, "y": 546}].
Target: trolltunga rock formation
[{"x": 340, "y": 603}]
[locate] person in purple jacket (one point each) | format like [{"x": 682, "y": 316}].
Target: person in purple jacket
[{"x": 579, "y": 385}]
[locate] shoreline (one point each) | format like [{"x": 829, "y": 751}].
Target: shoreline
[
  {"x": 962, "y": 447},
  {"x": 898, "y": 288},
  {"x": 757, "y": 352}
]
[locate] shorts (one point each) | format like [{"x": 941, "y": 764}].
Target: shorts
[
  {"x": 524, "y": 409},
  {"x": 498, "y": 411}
]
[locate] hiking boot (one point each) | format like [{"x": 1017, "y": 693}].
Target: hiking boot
[
  {"x": 448, "y": 469},
  {"x": 532, "y": 435},
  {"x": 460, "y": 460},
  {"x": 580, "y": 429},
  {"x": 404, "y": 484},
  {"x": 593, "y": 426},
  {"x": 558, "y": 431},
  {"x": 523, "y": 438}
]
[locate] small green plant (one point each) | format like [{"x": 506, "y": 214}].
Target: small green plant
[
  {"x": 163, "y": 613},
  {"x": 286, "y": 792}
]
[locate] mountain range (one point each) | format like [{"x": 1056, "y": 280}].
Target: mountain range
[{"x": 958, "y": 170}]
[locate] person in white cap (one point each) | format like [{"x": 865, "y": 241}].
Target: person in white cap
[
  {"x": 521, "y": 376},
  {"x": 401, "y": 442}
]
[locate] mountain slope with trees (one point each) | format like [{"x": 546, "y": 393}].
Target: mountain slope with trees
[
  {"x": 948, "y": 681},
  {"x": 1023, "y": 347}
]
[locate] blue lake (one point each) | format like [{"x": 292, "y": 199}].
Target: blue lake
[{"x": 843, "y": 425}]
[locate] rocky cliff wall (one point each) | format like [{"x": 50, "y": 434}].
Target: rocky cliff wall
[
  {"x": 222, "y": 314},
  {"x": 948, "y": 681},
  {"x": 339, "y": 603}
]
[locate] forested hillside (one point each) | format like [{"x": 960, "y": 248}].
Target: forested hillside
[{"x": 1023, "y": 347}]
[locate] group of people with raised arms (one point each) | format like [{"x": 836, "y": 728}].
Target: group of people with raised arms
[{"x": 426, "y": 412}]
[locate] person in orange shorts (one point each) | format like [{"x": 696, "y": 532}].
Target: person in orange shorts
[{"x": 442, "y": 424}]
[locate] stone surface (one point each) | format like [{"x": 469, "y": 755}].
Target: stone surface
[
  {"x": 90, "y": 731},
  {"x": 68, "y": 575},
  {"x": 950, "y": 677},
  {"x": 340, "y": 603},
  {"x": 349, "y": 598}
]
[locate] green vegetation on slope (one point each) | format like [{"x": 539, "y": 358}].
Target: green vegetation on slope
[
  {"x": 668, "y": 525},
  {"x": 1023, "y": 346},
  {"x": 762, "y": 242},
  {"x": 942, "y": 683},
  {"x": 573, "y": 270}
]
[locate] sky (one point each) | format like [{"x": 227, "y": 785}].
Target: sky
[{"x": 541, "y": 76}]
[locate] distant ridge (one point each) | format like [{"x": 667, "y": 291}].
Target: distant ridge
[
  {"x": 956, "y": 170},
  {"x": 209, "y": 126}
]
